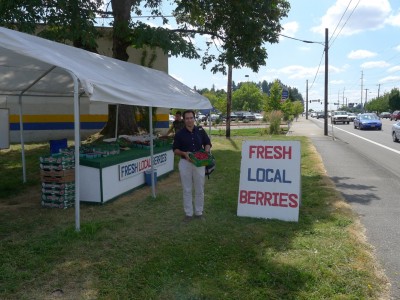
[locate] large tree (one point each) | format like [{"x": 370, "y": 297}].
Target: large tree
[{"x": 237, "y": 29}]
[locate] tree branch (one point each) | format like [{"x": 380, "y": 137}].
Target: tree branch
[{"x": 202, "y": 32}]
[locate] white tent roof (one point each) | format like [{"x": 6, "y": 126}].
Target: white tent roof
[
  {"x": 24, "y": 58},
  {"x": 30, "y": 65}
]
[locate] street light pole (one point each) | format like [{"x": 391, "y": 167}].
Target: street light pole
[
  {"x": 326, "y": 83},
  {"x": 326, "y": 74}
]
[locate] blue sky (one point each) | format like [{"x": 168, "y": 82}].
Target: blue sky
[{"x": 364, "y": 42}]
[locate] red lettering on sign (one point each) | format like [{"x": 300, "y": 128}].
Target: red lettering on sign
[
  {"x": 268, "y": 199},
  {"x": 270, "y": 152}
]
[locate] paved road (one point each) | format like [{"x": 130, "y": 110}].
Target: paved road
[{"x": 368, "y": 182}]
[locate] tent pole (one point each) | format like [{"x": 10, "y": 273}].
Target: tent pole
[
  {"x": 153, "y": 188},
  {"x": 21, "y": 127},
  {"x": 21, "y": 132},
  {"x": 116, "y": 122},
  {"x": 77, "y": 144},
  {"x": 209, "y": 125}
]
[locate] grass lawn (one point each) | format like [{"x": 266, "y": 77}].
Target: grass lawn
[{"x": 137, "y": 247}]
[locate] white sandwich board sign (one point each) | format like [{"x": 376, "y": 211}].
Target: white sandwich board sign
[{"x": 270, "y": 180}]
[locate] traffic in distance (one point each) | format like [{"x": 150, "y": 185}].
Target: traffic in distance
[
  {"x": 217, "y": 117},
  {"x": 364, "y": 121}
]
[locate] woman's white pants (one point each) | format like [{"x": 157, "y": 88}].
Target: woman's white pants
[{"x": 192, "y": 176}]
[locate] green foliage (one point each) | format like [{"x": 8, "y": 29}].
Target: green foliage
[
  {"x": 171, "y": 42},
  {"x": 248, "y": 97},
  {"x": 239, "y": 48},
  {"x": 217, "y": 99},
  {"x": 287, "y": 110},
  {"x": 274, "y": 99},
  {"x": 298, "y": 108},
  {"x": 394, "y": 99},
  {"x": 379, "y": 104}
]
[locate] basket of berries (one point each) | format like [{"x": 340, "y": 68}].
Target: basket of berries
[{"x": 201, "y": 158}]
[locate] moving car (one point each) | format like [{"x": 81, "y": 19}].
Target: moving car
[
  {"x": 396, "y": 132},
  {"x": 395, "y": 115},
  {"x": 351, "y": 116},
  {"x": 367, "y": 121},
  {"x": 340, "y": 117},
  {"x": 320, "y": 115},
  {"x": 384, "y": 115}
]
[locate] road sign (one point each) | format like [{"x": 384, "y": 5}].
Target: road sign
[{"x": 285, "y": 94}]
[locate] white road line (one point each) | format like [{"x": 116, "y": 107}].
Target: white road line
[{"x": 380, "y": 145}]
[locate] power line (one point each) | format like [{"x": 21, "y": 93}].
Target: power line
[{"x": 346, "y": 20}]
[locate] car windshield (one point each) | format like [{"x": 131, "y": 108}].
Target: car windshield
[
  {"x": 369, "y": 117},
  {"x": 340, "y": 113}
]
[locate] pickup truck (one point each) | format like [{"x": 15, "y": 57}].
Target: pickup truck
[{"x": 340, "y": 117}]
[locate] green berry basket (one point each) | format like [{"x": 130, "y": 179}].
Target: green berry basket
[{"x": 201, "y": 162}]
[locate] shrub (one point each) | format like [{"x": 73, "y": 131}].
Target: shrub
[{"x": 274, "y": 117}]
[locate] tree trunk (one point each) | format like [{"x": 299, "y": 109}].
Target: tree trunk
[
  {"x": 229, "y": 103},
  {"x": 121, "y": 32}
]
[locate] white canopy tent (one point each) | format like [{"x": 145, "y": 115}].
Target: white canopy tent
[{"x": 32, "y": 66}]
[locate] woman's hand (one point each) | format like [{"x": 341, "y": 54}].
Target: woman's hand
[{"x": 187, "y": 156}]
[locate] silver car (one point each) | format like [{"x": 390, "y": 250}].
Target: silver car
[{"x": 396, "y": 132}]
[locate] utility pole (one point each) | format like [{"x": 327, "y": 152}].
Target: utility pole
[
  {"x": 307, "y": 99},
  {"x": 343, "y": 97},
  {"x": 326, "y": 83},
  {"x": 362, "y": 74},
  {"x": 365, "y": 102},
  {"x": 379, "y": 88}
]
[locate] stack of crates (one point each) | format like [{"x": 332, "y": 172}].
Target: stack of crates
[{"x": 57, "y": 173}]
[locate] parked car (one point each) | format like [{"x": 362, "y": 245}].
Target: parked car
[
  {"x": 384, "y": 115},
  {"x": 340, "y": 117},
  {"x": 234, "y": 117},
  {"x": 313, "y": 114},
  {"x": 245, "y": 115},
  {"x": 395, "y": 115},
  {"x": 396, "y": 132},
  {"x": 258, "y": 116},
  {"x": 201, "y": 117},
  {"x": 367, "y": 121},
  {"x": 351, "y": 116}
]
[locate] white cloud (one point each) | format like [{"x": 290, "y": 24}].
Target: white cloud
[
  {"x": 389, "y": 79},
  {"x": 340, "y": 82},
  {"x": 303, "y": 48},
  {"x": 394, "y": 69},
  {"x": 394, "y": 20},
  {"x": 397, "y": 48},
  {"x": 299, "y": 72},
  {"x": 360, "y": 54},
  {"x": 289, "y": 29},
  {"x": 375, "y": 64},
  {"x": 368, "y": 15}
]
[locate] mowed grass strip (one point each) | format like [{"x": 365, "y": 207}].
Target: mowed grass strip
[{"x": 137, "y": 247}]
